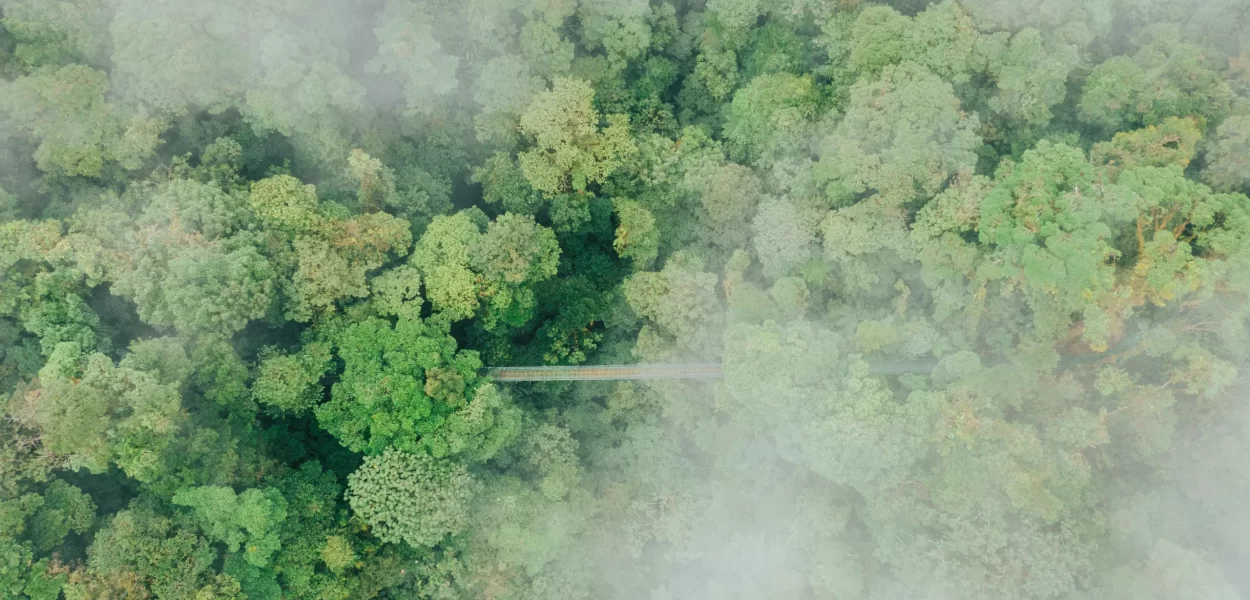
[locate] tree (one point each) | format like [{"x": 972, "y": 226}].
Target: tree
[
  {"x": 292, "y": 383},
  {"x": 78, "y": 131},
  {"x": 856, "y": 436},
  {"x": 545, "y": 49},
  {"x": 505, "y": 89},
  {"x": 172, "y": 58},
  {"x": 783, "y": 235},
  {"x": 503, "y": 183},
  {"x": 246, "y": 523},
  {"x": 140, "y": 549},
  {"x": 327, "y": 259},
  {"x": 1172, "y": 143},
  {"x": 95, "y": 413},
  {"x": 769, "y": 110},
  {"x": 570, "y": 151},
  {"x": 399, "y": 384},
  {"x": 1227, "y": 169},
  {"x": 515, "y": 250},
  {"x": 728, "y": 194},
  {"x": 442, "y": 256},
  {"x": 1030, "y": 70},
  {"x": 57, "y": 35},
  {"x": 999, "y": 14},
  {"x": 903, "y": 136},
  {"x": 1164, "y": 78},
  {"x": 478, "y": 432},
  {"x": 284, "y": 203},
  {"x": 1051, "y": 235},
  {"x": 636, "y": 235},
  {"x": 681, "y": 305},
  {"x": 411, "y": 498},
  {"x": 1171, "y": 571},
  {"x": 734, "y": 18},
  {"x": 62, "y": 508},
  {"x": 214, "y": 288},
  {"x": 620, "y": 28},
  {"x": 941, "y": 38},
  {"x": 408, "y": 50},
  {"x": 185, "y": 268},
  {"x": 512, "y": 256}
]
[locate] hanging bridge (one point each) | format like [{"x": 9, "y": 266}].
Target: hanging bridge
[{"x": 708, "y": 371}]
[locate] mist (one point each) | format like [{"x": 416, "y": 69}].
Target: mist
[{"x": 975, "y": 272}]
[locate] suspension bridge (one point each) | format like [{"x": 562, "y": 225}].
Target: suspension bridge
[{"x": 710, "y": 371}]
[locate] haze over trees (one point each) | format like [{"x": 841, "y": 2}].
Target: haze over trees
[{"x": 254, "y": 256}]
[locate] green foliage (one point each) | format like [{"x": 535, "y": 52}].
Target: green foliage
[
  {"x": 79, "y": 132},
  {"x": 1173, "y": 143},
  {"x": 56, "y": 35},
  {"x": 1227, "y": 169},
  {"x": 972, "y": 277},
  {"x": 284, "y": 203},
  {"x": 442, "y": 256},
  {"x": 903, "y": 137},
  {"x": 769, "y": 110},
  {"x": 1030, "y": 70},
  {"x": 515, "y": 250},
  {"x": 411, "y": 498},
  {"x": 620, "y": 28},
  {"x": 636, "y": 235},
  {"x": 941, "y": 38},
  {"x": 331, "y": 256},
  {"x": 62, "y": 508},
  {"x": 504, "y": 89},
  {"x": 408, "y": 51},
  {"x": 680, "y": 303},
  {"x": 292, "y": 383},
  {"x": 728, "y": 194},
  {"x": 392, "y": 390},
  {"x": 783, "y": 236},
  {"x": 140, "y": 549},
  {"x": 570, "y": 150},
  {"x": 246, "y": 523},
  {"x": 95, "y": 413},
  {"x": 212, "y": 288},
  {"x": 503, "y": 183},
  {"x": 1166, "y": 77}
]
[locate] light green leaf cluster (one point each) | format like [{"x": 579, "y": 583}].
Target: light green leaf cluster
[
  {"x": 903, "y": 136},
  {"x": 246, "y": 523},
  {"x": 411, "y": 498},
  {"x": 79, "y": 132},
  {"x": 1166, "y": 77},
  {"x": 292, "y": 383},
  {"x": 388, "y": 393},
  {"x": 408, "y": 50},
  {"x": 570, "y": 150},
  {"x": 96, "y": 413}
]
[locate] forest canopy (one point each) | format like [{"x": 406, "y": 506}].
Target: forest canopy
[{"x": 257, "y": 258}]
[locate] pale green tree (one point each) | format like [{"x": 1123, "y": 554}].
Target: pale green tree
[
  {"x": 411, "y": 498},
  {"x": 570, "y": 149},
  {"x": 1227, "y": 167},
  {"x": 1166, "y": 77},
  {"x": 409, "y": 52},
  {"x": 78, "y": 130},
  {"x": 903, "y": 136},
  {"x": 768, "y": 111},
  {"x": 246, "y": 523}
]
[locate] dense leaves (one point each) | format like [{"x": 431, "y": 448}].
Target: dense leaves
[{"x": 974, "y": 273}]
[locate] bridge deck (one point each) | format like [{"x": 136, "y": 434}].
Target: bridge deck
[
  {"x": 876, "y": 366},
  {"x": 669, "y": 371},
  {"x": 607, "y": 372}
]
